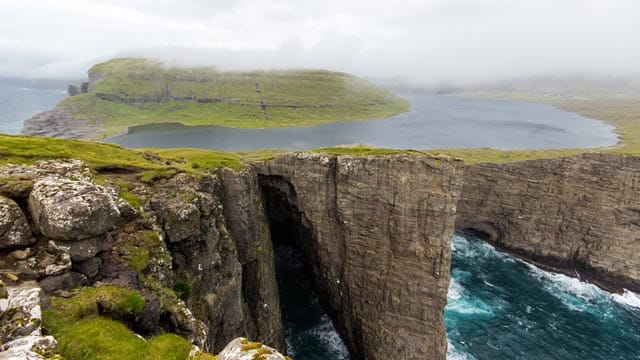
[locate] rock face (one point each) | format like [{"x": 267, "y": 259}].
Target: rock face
[
  {"x": 376, "y": 234},
  {"x": 578, "y": 214},
  {"x": 59, "y": 122},
  {"x": 216, "y": 233}
]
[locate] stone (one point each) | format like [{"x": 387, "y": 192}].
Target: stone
[
  {"x": 67, "y": 281},
  {"x": 50, "y": 260},
  {"x": 14, "y": 228},
  {"x": 20, "y": 325},
  {"x": 21, "y": 313},
  {"x": 31, "y": 348},
  {"x": 244, "y": 349},
  {"x": 89, "y": 267},
  {"x": 64, "y": 209},
  {"x": 20, "y": 254},
  {"x": 81, "y": 250}
]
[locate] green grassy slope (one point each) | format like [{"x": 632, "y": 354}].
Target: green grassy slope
[{"x": 128, "y": 91}]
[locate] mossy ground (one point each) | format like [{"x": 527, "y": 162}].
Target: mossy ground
[
  {"x": 83, "y": 332},
  {"x": 127, "y": 92}
]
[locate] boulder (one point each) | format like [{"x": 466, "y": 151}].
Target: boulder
[
  {"x": 243, "y": 349},
  {"x": 14, "y": 228},
  {"x": 63, "y": 209}
]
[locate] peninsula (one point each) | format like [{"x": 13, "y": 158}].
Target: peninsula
[{"x": 126, "y": 92}]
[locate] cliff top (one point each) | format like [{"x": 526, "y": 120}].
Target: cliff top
[{"x": 129, "y": 91}]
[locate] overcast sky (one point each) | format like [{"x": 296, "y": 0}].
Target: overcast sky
[{"x": 427, "y": 41}]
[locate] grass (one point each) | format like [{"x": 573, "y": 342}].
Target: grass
[
  {"x": 83, "y": 332},
  {"x": 126, "y": 92},
  {"x": 153, "y": 164}
]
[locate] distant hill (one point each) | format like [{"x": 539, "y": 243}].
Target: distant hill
[{"x": 129, "y": 91}]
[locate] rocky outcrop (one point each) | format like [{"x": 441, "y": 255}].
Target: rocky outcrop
[
  {"x": 21, "y": 325},
  {"x": 60, "y": 122},
  {"x": 218, "y": 238},
  {"x": 375, "y": 232},
  {"x": 577, "y": 214}
]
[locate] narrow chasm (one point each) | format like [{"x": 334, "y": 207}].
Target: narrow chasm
[{"x": 309, "y": 332}]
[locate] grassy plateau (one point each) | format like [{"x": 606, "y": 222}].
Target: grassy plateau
[{"x": 128, "y": 91}]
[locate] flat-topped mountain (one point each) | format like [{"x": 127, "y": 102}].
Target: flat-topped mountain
[{"x": 128, "y": 91}]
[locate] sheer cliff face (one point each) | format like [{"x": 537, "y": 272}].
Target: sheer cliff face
[
  {"x": 218, "y": 238},
  {"x": 579, "y": 213},
  {"x": 376, "y": 233}
]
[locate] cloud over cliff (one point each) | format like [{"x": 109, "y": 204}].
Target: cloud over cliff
[{"x": 426, "y": 41}]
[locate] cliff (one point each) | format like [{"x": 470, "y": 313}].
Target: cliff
[
  {"x": 190, "y": 252},
  {"x": 170, "y": 252},
  {"x": 578, "y": 214},
  {"x": 375, "y": 232},
  {"x": 126, "y": 92}
]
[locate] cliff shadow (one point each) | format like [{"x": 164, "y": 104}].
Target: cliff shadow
[{"x": 309, "y": 330}]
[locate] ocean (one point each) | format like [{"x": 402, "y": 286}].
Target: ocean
[
  {"x": 498, "y": 307},
  {"x": 21, "y": 99}
]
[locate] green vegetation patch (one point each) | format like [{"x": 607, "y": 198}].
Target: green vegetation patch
[
  {"x": 153, "y": 164},
  {"x": 83, "y": 330},
  {"x": 126, "y": 92}
]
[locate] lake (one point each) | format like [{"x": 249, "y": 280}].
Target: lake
[{"x": 434, "y": 122}]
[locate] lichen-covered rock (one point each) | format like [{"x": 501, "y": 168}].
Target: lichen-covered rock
[
  {"x": 184, "y": 323},
  {"x": 14, "y": 228},
  {"x": 244, "y": 349},
  {"x": 60, "y": 168},
  {"x": 20, "y": 325},
  {"x": 64, "y": 209},
  {"x": 82, "y": 250}
]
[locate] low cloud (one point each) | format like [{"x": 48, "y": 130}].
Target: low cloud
[{"x": 423, "y": 42}]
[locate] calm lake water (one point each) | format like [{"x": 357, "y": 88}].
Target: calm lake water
[{"x": 433, "y": 122}]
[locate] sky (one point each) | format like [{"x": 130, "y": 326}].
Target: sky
[{"x": 419, "y": 41}]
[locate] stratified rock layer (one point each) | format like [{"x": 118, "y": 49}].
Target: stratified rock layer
[
  {"x": 578, "y": 214},
  {"x": 376, "y": 233}
]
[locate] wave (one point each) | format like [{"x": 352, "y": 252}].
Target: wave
[
  {"x": 628, "y": 298},
  {"x": 56, "y": 91},
  {"x": 454, "y": 353},
  {"x": 328, "y": 335}
]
